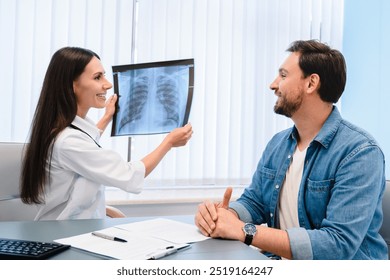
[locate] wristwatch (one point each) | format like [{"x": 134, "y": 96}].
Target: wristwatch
[{"x": 250, "y": 231}]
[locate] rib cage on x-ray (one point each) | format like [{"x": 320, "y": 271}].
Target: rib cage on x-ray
[
  {"x": 135, "y": 102},
  {"x": 167, "y": 94},
  {"x": 152, "y": 98}
]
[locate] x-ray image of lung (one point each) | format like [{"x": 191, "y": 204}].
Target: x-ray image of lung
[{"x": 151, "y": 100}]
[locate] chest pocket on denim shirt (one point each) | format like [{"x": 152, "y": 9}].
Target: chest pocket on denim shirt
[{"x": 317, "y": 196}]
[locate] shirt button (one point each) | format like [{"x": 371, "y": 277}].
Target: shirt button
[
  {"x": 277, "y": 187},
  {"x": 289, "y": 156},
  {"x": 271, "y": 215}
]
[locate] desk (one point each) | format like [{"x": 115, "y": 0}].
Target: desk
[{"x": 211, "y": 249}]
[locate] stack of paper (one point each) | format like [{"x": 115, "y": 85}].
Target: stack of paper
[{"x": 145, "y": 240}]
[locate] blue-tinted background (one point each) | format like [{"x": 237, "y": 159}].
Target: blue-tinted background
[{"x": 366, "y": 47}]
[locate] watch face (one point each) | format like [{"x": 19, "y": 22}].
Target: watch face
[{"x": 250, "y": 229}]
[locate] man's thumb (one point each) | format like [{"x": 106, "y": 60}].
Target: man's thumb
[{"x": 226, "y": 198}]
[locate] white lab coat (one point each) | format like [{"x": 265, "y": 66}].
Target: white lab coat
[{"x": 79, "y": 171}]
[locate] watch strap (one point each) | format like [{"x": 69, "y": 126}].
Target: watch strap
[{"x": 248, "y": 239}]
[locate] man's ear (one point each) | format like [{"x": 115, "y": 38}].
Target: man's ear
[{"x": 314, "y": 83}]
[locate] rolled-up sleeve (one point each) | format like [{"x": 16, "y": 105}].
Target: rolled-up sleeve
[
  {"x": 241, "y": 211},
  {"x": 300, "y": 244}
]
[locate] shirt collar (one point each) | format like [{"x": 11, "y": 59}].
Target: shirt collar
[
  {"x": 328, "y": 130},
  {"x": 88, "y": 126}
]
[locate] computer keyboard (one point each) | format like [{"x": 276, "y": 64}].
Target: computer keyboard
[{"x": 15, "y": 249}]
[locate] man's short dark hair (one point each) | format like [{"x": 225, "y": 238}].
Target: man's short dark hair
[{"x": 329, "y": 64}]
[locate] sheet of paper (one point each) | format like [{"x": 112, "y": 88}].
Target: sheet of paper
[
  {"x": 144, "y": 239},
  {"x": 166, "y": 229},
  {"x": 139, "y": 246}
]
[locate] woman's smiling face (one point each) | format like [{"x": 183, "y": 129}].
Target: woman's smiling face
[{"x": 90, "y": 88}]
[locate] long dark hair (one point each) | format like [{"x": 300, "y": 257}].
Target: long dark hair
[{"x": 56, "y": 109}]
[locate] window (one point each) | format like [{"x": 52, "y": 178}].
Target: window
[
  {"x": 237, "y": 46},
  {"x": 34, "y": 30}
]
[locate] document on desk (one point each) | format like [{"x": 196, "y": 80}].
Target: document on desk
[
  {"x": 151, "y": 239},
  {"x": 166, "y": 229}
]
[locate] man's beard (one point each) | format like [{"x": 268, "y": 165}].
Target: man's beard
[{"x": 287, "y": 108}]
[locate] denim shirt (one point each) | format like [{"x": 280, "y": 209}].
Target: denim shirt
[{"x": 339, "y": 199}]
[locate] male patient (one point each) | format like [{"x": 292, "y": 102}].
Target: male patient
[{"x": 319, "y": 184}]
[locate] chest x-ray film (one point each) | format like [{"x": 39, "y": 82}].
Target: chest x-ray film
[{"x": 153, "y": 97}]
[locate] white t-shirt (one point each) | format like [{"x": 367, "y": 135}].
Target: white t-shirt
[
  {"x": 79, "y": 171},
  {"x": 288, "y": 202}
]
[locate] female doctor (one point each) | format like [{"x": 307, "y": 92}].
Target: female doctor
[{"x": 64, "y": 169}]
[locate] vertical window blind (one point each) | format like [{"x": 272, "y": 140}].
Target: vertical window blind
[
  {"x": 32, "y": 30},
  {"x": 237, "y": 46}
]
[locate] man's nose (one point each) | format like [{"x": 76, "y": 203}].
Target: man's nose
[{"x": 274, "y": 84}]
